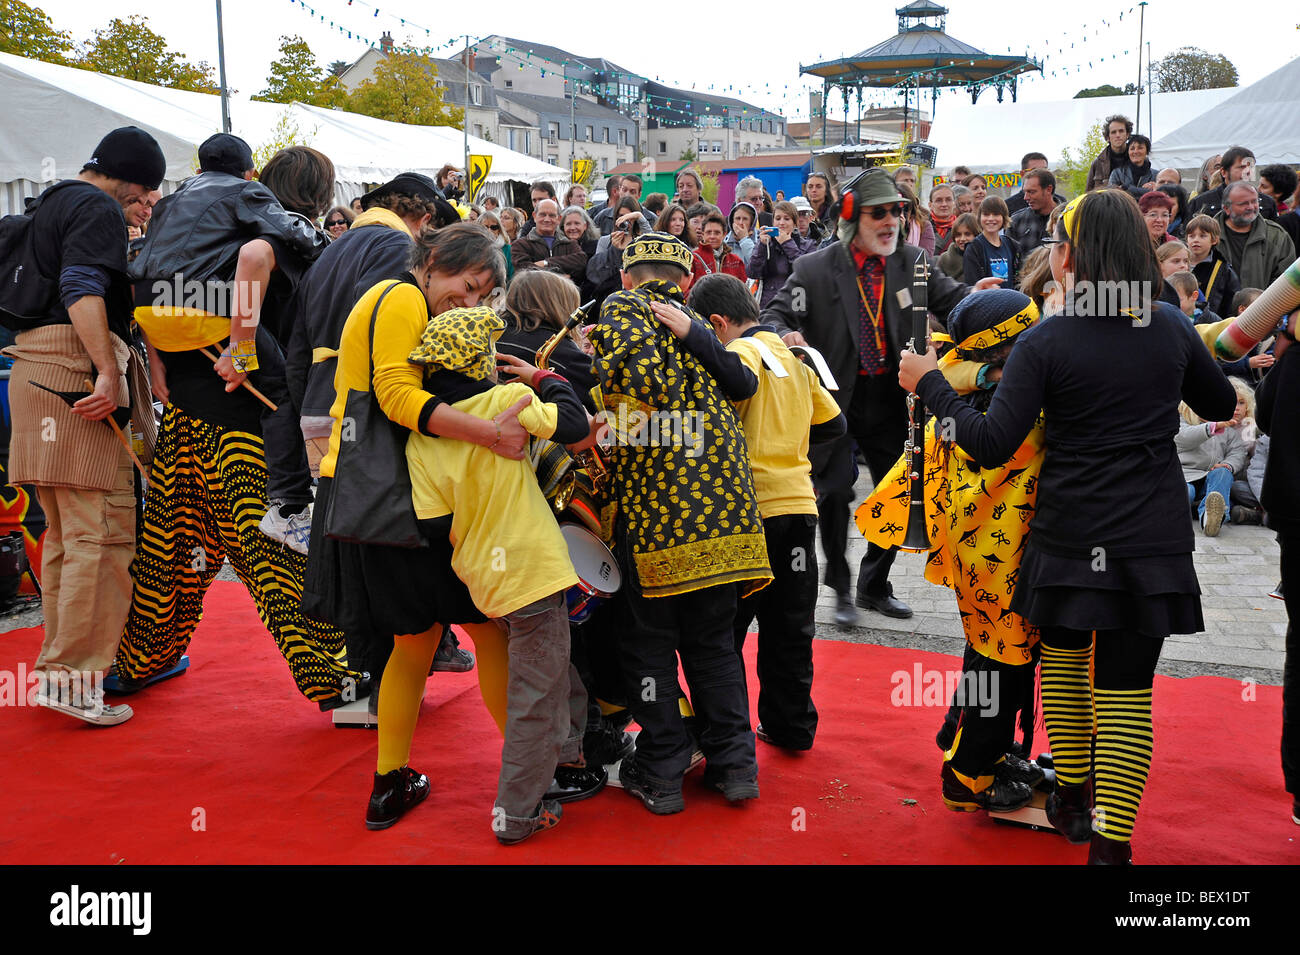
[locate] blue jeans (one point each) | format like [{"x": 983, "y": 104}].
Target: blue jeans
[{"x": 1220, "y": 479}]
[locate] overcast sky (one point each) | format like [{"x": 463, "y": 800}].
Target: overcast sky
[{"x": 747, "y": 65}]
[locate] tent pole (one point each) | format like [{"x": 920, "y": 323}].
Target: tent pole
[
  {"x": 221, "y": 66},
  {"x": 1142, "y": 13}
]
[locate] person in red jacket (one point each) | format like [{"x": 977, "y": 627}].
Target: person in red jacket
[{"x": 712, "y": 256}]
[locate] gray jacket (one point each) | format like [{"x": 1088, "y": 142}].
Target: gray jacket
[{"x": 1199, "y": 450}]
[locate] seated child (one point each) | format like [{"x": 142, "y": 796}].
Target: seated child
[{"x": 1212, "y": 453}]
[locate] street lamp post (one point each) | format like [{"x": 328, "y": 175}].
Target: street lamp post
[{"x": 221, "y": 66}]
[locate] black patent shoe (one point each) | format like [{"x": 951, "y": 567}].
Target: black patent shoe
[
  {"x": 609, "y": 744},
  {"x": 1003, "y": 796},
  {"x": 575, "y": 783},
  {"x": 394, "y": 794},
  {"x": 1069, "y": 810},
  {"x": 1103, "y": 851}
]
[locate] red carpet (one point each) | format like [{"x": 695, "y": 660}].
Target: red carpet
[{"x": 229, "y": 764}]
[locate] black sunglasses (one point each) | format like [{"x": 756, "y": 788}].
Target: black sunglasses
[
  {"x": 898, "y": 210},
  {"x": 333, "y": 222}
]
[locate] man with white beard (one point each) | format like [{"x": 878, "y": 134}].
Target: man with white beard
[{"x": 844, "y": 300}]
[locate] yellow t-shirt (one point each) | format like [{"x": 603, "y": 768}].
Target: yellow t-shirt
[
  {"x": 506, "y": 545},
  {"x": 398, "y": 384},
  {"x": 776, "y": 421}
]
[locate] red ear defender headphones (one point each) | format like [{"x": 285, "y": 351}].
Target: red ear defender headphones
[{"x": 849, "y": 198}]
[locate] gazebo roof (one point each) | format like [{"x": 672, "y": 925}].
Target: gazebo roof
[{"x": 923, "y": 50}]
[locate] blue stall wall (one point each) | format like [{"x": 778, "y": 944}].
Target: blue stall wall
[{"x": 789, "y": 179}]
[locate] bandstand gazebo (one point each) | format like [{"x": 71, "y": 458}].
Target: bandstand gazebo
[{"x": 920, "y": 55}]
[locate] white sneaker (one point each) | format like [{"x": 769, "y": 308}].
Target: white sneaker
[
  {"x": 293, "y": 531},
  {"x": 90, "y": 707},
  {"x": 1212, "y": 519}
]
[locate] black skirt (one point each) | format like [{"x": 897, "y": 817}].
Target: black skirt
[
  {"x": 369, "y": 588},
  {"x": 1154, "y": 596}
]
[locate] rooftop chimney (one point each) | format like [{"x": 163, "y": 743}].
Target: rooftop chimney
[{"x": 386, "y": 43}]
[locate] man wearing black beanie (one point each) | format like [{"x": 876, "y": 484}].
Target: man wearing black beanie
[{"x": 81, "y": 472}]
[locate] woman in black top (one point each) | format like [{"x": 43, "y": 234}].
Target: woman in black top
[{"x": 1111, "y": 544}]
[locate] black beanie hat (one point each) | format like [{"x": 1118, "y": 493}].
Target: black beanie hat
[
  {"x": 225, "y": 152},
  {"x": 129, "y": 154}
]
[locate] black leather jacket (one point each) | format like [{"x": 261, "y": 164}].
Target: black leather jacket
[{"x": 198, "y": 230}]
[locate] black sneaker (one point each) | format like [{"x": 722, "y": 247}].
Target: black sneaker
[
  {"x": 575, "y": 783},
  {"x": 661, "y": 802},
  {"x": 450, "y": 658},
  {"x": 394, "y": 794},
  {"x": 1002, "y": 796},
  {"x": 736, "y": 790},
  {"x": 1015, "y": 769}
]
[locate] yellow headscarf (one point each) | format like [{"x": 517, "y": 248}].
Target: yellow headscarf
[{"x": 462, "y": 340}]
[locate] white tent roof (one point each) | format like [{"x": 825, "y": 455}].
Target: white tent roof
[
  {"x": 55, "y": 115},
  {"x": 1261, "y": 116},
  {"x": 990, "y": 137}
]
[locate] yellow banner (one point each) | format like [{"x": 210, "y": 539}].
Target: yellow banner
[
  {"x": 581, "y": 169},
  {"x": 479, "y": 167}
]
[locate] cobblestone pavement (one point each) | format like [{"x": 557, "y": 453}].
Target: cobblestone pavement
[{"x": 1245, "y": 633}]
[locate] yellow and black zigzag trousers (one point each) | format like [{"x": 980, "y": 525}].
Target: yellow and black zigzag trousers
[{"x": 207, "y": 495}]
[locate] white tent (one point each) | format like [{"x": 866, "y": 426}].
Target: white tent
[
  {"x": 990, "y": 137},
  {"x": 53, "y": 117},
  {"x": 1260, "y": 116}
]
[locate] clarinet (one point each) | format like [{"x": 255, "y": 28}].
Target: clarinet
[{"x": 917, "y": 538}]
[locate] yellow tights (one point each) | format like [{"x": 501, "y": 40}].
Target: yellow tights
[{"x": 402, "y": 688}]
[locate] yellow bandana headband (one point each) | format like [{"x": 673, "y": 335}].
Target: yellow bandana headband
[
  {"x": 990, "y": 337},
  {"x": 1070, "y": 215},
  {"x": 462, "y": 340}
]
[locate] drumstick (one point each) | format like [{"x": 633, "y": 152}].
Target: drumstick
[
  {"x": 256, "y": 394},
  {"x": 122, "y": 437}
]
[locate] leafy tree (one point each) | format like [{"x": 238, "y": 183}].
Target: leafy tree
[
  {"x": 129, "y": 49},
  {"x": 27, "y": 31},
  {"x": 1107, "y": 90},
  {"x": 1072, "y": 174},
  {"x": 297, "y": 76},
  {"x": 1191, "y": 68},
  {"x": 688, "y": 155},
  {"x": 709, "y": 180},
  {"x": 286, "y": 133},
  {"x": 338, "y": 67},
  {"x": 405, "y": 90}
]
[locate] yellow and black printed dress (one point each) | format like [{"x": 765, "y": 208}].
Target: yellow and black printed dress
[{"x": 978, "y": 522}]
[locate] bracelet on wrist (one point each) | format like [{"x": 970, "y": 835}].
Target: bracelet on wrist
[{"x": 498, "y": 440}]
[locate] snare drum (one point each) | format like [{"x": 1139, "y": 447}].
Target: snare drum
[{"x": 598, "y": 575}]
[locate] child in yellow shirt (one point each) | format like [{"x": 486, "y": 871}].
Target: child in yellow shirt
[{"x": 508, "y": 550}]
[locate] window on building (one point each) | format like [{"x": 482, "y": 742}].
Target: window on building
[
  {"x": 478, "y": 130},
  {"x": 553, "y": 131},
  {"x": 663, "y": 147},
  {"x": 604, "y": 164},
  {"x": 476, "y": 95},
  {"x": 606, "y": 138},
  {"x": 717, "y": 145},
  {"x": 553, "y": 160},
  {"x": 622, "y": 138},
  {"x": 510, "y": 84},
  {"x": 528, "y": 141},
  {"x": 591, "y": 137}
]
